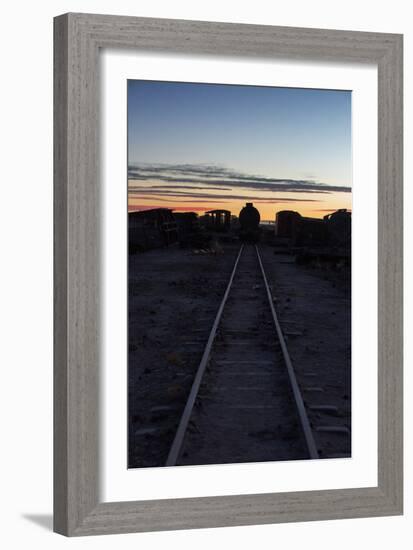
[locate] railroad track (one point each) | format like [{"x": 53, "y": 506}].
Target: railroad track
[{"x": 245, "y": 404}]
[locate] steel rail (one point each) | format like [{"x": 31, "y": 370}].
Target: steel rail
[
  {"x": 183, "y": 424},
  {"x": 305, "y": 423}
]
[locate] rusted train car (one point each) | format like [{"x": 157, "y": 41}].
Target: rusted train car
[
  {"x": 190, "y": 232},
  {"x": 216, "y": 220},
  {"x": 148, "y": 229},
  {"x": 332, "y": 230}
]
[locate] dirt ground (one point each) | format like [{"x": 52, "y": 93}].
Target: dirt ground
[
  {"x": 173, "y": 298},
  {"x": 314, "y": 308}
]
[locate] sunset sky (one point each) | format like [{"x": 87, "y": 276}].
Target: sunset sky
[{"x": 197, "y": 147}]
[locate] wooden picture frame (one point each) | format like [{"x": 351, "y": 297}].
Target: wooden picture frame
[{"x": 78, "y": 39}]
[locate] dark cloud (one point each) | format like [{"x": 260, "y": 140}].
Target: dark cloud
[
  {"x": 189, "y": 187},
  {"x": 213, "y": 176},
  {"x": 160, "y": 195},
  {"x": 328, "y": 210}
]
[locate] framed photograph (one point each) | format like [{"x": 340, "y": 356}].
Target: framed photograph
[{"x": 228, "y": 274}]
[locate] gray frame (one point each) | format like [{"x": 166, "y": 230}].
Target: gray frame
[{"x": 78, "y": 39}]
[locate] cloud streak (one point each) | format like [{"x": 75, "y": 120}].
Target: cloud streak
[
  {"x": 195, "y": 197},
  {"x": 192, "y": 176}
]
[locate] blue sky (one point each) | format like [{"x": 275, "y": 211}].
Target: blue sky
[{"x": 261, "y": 134}]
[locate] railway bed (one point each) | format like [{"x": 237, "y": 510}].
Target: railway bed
[{"x": 245, "y": 404}]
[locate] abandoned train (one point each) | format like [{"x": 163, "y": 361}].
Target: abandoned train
[
  {"x": 152, "y": 228},
  {"x": 326, "y": 240},
  {"x": 249, "y": 220},
  {"x": 332, "y": 230},
  {"x": 161, "y": 227}
]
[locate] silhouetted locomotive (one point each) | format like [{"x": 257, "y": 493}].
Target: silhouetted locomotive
[{"x": 249, "y": 220}]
